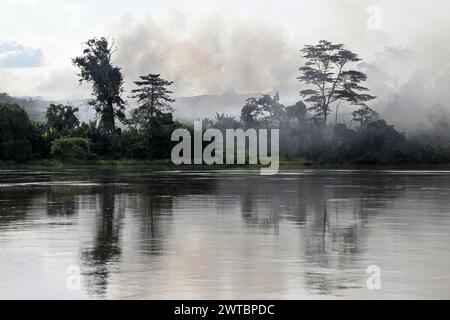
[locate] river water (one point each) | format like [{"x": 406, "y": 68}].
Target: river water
[{"x": 137, "y": 233}]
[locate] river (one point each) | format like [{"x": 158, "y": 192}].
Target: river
[{"x": 142, "y": 233}]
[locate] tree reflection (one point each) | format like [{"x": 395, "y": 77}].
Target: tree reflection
[
  {"x": 154, "y": 213},
  {"x": 150, "y": 202},
  {"x": 61, "y": 202},
  {"x": 330, "y": 211},
  {"x": 106, "y": 243},
  {"x": 261, "y": 232},
  {"x": 14, "y": 206}
]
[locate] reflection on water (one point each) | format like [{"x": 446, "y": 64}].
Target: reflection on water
[{"x": 138, "y": 233}]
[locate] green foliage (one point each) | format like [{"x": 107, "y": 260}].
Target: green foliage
[
  {"x": 16, "y": 133},
  {"x": 42, "y": 139},
  {"x": 71, "y": 149},
  {"x": 62, "y": 118},
  {"x": 132, "y": 145},
  {"x": 159, "y": 133}
]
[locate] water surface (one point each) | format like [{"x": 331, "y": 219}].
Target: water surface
[{"x": 139, "y": 233}]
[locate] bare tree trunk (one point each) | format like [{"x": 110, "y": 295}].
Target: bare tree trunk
[
  {"x": 111, "y": 124},
  {"x": 337, "y": 110}
]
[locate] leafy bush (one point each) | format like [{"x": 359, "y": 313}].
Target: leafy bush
[{"x": 71, "y": 149}]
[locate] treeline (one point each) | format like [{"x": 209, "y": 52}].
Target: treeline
[
  {"x": 306, "y": 130},
  {"x": 64, "y": 138},
  {"x": 371, "y": 142},
  {"x": 144, "y": 134}
]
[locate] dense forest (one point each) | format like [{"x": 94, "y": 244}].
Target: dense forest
[{"x": 309, "y": 129}]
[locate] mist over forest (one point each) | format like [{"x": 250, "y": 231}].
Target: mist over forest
[
  {"x": 219, "y": 56},
  {"x": 335, "y": 120},
  {"x": 232, "y": 66},
  {"x": 411, "y": 99}
]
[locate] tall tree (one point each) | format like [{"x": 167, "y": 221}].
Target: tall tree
[
  {"x": 107, "y": 81},
  {"x": 154, "y": 98},
  {"x": 331, "y": 82}
]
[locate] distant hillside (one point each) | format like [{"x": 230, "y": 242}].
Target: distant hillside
[
  {"x": 34, "y": 106},
  {"x": 37, "y": 106},
  {"x": 186, "y": 108},
  {"x": 206, "y": 106}
]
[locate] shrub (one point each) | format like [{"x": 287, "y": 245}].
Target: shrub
[{"x": 71, "y": 149}]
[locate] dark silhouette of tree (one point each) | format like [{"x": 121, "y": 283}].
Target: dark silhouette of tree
[
  {"x": 364, "y": 115},
  {"x": 294, "y": 128},
  {"x": 154, "y": 116},
  {"x": 251, "y": 113},
  {"x": 62, "y": 118},
  {"x": 107, "y": 81},
  {"x": 273, "y": 110},
  {"x": 297, "y": 111},
  {"x": 325, "y": 71},
  {"x": 106, "y": 246},
  {"x": 223, "y": 122},
  {"x": 154, "y": 96},
  {"x": 263, "y": 111},
  {"x": 208, "y": 123},
  {"x": 16, "y": 132}
]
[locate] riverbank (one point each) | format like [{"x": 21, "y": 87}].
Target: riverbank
[{"x": 167, "y": 164}]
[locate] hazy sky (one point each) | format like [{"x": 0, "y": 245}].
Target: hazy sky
[{"x": 210, "y": 47}]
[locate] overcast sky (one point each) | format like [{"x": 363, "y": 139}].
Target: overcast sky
[{"x": 210, "y": 47}]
